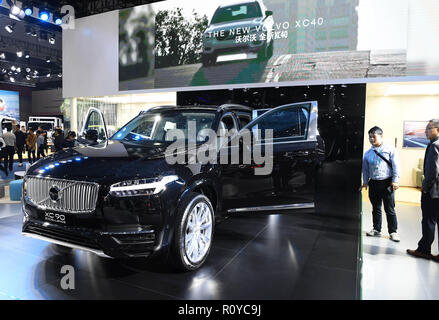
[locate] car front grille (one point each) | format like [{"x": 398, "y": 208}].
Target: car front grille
[{"x": 73, "y": 196}]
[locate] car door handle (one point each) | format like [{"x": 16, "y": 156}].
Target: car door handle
[{"x": 242, "y": 166}]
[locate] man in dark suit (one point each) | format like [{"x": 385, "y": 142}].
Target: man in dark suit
[{"x": 430, "y": 194}]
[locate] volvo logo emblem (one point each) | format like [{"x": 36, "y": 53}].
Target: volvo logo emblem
[{"x": 54, "y": 193}]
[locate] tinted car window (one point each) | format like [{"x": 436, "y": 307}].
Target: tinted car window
[
  {"x": 237, "y": 12},
  {"x": 285, "y": 123},
  {"x": 153, "y": 126}
]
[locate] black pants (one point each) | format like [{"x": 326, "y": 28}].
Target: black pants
[
  {"x": 10, "y": 151},
  {"x": 20, "y": 153},
  {"x": 378, "y": 194},
  {"x": 29, "y": 154},
  {"x": 40, "y": 152},
  {"x": 430, "y": 213}
]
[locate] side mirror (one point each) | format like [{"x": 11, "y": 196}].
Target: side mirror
[{"x": 268, "y": 13}]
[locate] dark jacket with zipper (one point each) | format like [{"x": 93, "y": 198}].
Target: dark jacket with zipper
[{"x": 431, "y": 169}]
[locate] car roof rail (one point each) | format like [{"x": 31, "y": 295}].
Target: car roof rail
[{"x": 235, "y": 107}]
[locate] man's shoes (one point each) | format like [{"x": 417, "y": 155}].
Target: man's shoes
[
  {"x": 373, "y": 233},
  {"x": 435, "y": 258},
  {"x": 394, "y": 237},
  {"x": 419, "y": 254}
]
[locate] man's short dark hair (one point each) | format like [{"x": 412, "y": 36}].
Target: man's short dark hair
[{"x": 376, "y": 130}]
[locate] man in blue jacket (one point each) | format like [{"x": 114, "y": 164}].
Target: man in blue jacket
[{"x": 430, "y": 194}]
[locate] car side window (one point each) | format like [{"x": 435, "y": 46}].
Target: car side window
[
  {"x": 289, "y": 123},
  {"x": 243, "y": 119}
]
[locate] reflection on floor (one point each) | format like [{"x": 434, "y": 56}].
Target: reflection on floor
[
  {"x": 388, "y": 272},
  {"x": 282, "y": 256}
]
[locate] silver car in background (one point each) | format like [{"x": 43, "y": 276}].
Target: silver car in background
[{"x": 242, "y": 30}]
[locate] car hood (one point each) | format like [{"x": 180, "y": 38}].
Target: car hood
[
  {"x": 106, "y": 163},
  {"x": 253, "y": 22}
]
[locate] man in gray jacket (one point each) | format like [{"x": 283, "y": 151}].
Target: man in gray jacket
[{"x": 430, "y": 194}]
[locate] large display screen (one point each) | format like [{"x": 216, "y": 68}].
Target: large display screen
[
  {"x": 174, "y": 44},
  {"x": 10, "y": 104}
]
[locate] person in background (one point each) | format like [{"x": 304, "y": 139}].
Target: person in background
[
  {"x": 40, "y": 145},
  {"x": 3, "y": 156},
  {"x": 20, "y": 138},
  {"x": 44, "y": 134},
  {"x": 381, "y": 175},
  {"x": 430, "y": 194},
  {"x": 10, "y": 140},
  {"x": 70, "y": 141},
  {"x": 59, "y": 139},
  {"x": 31, "y": 142}
]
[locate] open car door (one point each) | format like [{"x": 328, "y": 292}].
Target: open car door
[
  {"x": 94, "y": 130},
  {"x": 296, "y": 154}
]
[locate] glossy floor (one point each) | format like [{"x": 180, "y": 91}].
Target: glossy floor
[
  {"x": 280, "y": 256},
  {"x": 388, "y": 272}
]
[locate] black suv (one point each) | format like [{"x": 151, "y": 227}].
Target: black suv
[{"x": 120, "y": 197}]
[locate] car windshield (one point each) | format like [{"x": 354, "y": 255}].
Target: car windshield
[
  {"x": 154, "y": 126},
  {"x": 237, "y": 12}
]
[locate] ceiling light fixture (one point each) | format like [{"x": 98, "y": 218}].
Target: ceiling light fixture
[
  {"x": 44, "y": 14},
  {"x": 2, "y": 55},
  {"x": 10, "y": 27},
  {"x": 57, "y": 18},
  {"x": 52, "y": 39},
  {"x": 28, "y": 9},
  {"x": 20, "y": 54}
]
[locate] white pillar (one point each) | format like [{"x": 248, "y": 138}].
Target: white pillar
[{"x": 74, "y": 116}]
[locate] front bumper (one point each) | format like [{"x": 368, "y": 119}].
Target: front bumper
[
  {"x": 105, "y": 244},
  {"x": 118, "y": 228}
]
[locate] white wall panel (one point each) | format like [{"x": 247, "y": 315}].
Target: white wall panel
[{"x": 90, "y": 56}]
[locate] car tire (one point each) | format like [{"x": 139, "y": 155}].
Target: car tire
[{"x": 194, "y": 225}]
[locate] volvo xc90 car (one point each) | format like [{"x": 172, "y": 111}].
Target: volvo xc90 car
[
  {"x": 120, "y": 197},
  {"x": 241, "y": 28}
]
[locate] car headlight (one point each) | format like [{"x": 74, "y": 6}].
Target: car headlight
[{"x": 140, "y": 187}]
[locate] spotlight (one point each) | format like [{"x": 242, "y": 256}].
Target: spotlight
[
  {"x": 44, "y": 14},
  {"x": 12, "y": 79},
  {"x": 15, "y": 12},
  {"x": 48, "y": 59},
  {"x": 19, "y": 54},
  {"x": 10, "y": 27},
  {"x": 28, "y": 9},
  {"x": 4, "y": 71},
  {"x": 59, "y": 75},
  {"x": 33, "y": 33},
  {"x": 27, "y": 54},
  {"x": 2, "y": 55},
  {"x": 52, "y": 39},
  {"x": 48, "y": 75},
  {"x": 57, "y": 18},
  {"x": 18, "y": 70},
  {"x": 28, "y": 77},
  {"x": 28, "y": 70},
  {"x": 13, "y": 68}
]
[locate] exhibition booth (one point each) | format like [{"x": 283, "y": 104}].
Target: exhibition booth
[{"x": 317, "y": 75}]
